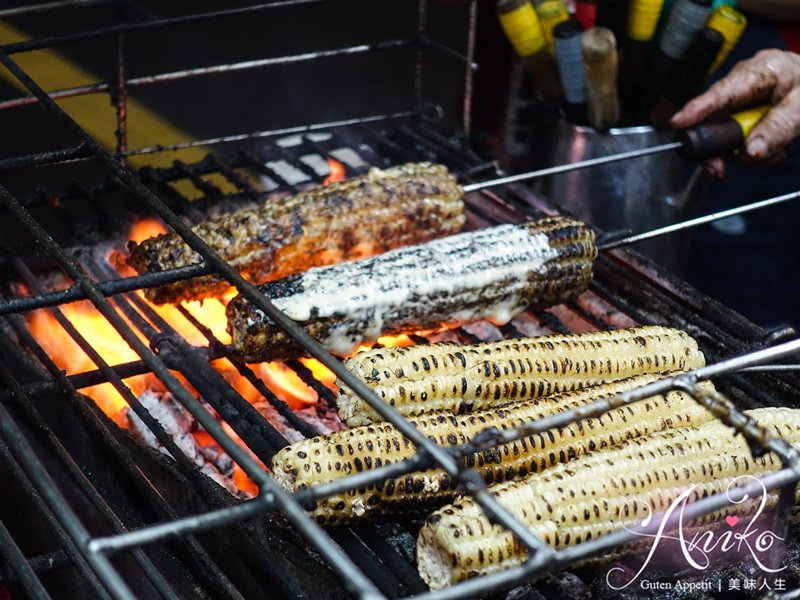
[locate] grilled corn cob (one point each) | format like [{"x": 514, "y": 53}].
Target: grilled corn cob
[
  {"x": 449, "y": 376},
  {"x": 327, "y": 458},
  {"x": 596, "y": 494},
  {"x": 346, "y": 220},
  {"x": 491, "y": 273}
]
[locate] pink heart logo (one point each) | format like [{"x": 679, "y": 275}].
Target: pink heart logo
[{"x": 731, "y": 520}]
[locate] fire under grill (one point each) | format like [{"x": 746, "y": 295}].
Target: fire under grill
[{"x": 142, "y": 474}]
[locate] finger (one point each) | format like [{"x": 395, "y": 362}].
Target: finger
[
  {"x": 738, "y": 89},
  {"x": 776, "y": 128},
  {"x": 695, "y": 111},
  {"x": 786, "y": 66},
  {"x": 773, "y": 159},
  {"x": 748, "y": 82}
]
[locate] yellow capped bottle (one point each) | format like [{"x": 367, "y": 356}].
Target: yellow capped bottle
[{"x": 524, "y": 30}]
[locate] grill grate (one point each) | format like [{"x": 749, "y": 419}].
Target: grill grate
[{"x": 369, "y": 560}]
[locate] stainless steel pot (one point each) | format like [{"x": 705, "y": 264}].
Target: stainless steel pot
[{"x": 638, "y": 194}]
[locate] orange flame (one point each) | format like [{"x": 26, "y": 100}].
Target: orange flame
[
  {"x": 284, "y": 382},
  {"x": 325, "y": 376},
  {"x": 110, "y": 346},
  {"x": 67, "y": 355},
  {"x": 337, "y": 171},
  {"x": 146, "y": 228}
]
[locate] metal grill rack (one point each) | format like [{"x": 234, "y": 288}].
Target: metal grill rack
[{"x": 626, "y": 289}]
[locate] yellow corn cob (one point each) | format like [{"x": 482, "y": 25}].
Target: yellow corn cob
[
  {"x": 597, "y": 494},
  {"x": 326, "y": 458},
  {"x": 459, "y": 378}
]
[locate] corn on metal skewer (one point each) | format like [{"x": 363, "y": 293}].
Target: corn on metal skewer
[
  {"x": 593, "y": 495},
  {"x": 549, "y": 560},
  {"x": 751, "y": 361},
  {"x": 459, "y": 378},
  {"x": 327, "y": 458},
  {"x": 491, "y": 273}
]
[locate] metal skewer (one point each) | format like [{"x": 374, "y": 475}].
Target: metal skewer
[
  {"x": 610, "y": 244},
  {"x": 591, "y": 162},
  {"x": 615, "y": 239},
  {"x": 702, "y": 141}
]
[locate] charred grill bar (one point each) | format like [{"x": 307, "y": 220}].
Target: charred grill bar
[{"x": 146, "y": 540}]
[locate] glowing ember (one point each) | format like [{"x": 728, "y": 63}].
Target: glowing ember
[
  {"x": 284, "y": 382},
  {"x": 395, "y": 341},
  {"x": 324, "y": 375},
  {"x": 321, "y": 372},
  {"x": 210, "y": 312},
  {"x": 338, "y": 171},
  {"x": 240, "y": 478},
  {"x": 146, "y": 228},
  {"x": 110, "y": 346}
]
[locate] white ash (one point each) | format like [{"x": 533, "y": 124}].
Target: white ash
[
  {"x": 484, "y": 330},
  {"x": 288, "y": 172},
  {"x": 277, "y": 421},
  {"x": 323, "y": 421},
  {"x": 573, "y": 321},
  {"x": 445, "y": 335},
  {"x": 399, "y": 538},
  {"x": 268, "y": 184},
  {"x": 180, "y": 426},
  {"x": 290, "y": 141},
  {"x": 317, "y": 163},
  {"x": 349, "y": 157},
  {"x": 529, "y": 326},
  {"x": 611, "y": 315}
]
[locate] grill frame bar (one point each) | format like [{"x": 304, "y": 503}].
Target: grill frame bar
[
  {"x": 209, "y": 521},
  {"x": 215, "y": 578}
]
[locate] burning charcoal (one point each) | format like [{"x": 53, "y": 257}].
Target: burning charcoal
[
  {"x": 525, "y": 592},
  {"x": 181, "y": 427},
  {"x": 484, "y": 330},
  {"x": 570, "y": 586}
]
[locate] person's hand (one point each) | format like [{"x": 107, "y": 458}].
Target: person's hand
[{"x": 771, "y": 76}]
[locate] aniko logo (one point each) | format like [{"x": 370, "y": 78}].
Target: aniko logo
[{"x": 699, "y": 549}]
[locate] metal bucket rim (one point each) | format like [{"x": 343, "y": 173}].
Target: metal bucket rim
[{"x": 631, "y": 130}]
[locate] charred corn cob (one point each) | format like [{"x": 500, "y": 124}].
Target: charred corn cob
[
  {"x": 327, "y": 458},
  {"x": 597, "y": 494},
  {"x": 346, "y": 220},
  {"x": 449, "y": 376},
  {"x": 492, "y": 273}
]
